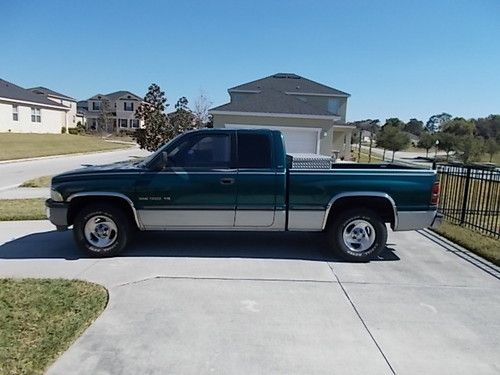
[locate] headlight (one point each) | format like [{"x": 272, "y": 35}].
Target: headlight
[{"x": 56, "y": 196}]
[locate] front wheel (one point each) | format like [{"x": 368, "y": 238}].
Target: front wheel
[
  {"x": 101, "y": 230},
  {"x": 357, "y": 235}
]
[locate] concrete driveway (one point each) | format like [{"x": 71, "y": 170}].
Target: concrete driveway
[{"x": 271, "y": 303}]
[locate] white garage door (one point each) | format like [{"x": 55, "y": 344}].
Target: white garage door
[{"x": 297, "y": 139}]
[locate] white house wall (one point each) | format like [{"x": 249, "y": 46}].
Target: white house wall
[{"x": 52, "y": 120}]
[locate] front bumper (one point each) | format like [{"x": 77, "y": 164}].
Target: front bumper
[{"x": 57, "y": 213}]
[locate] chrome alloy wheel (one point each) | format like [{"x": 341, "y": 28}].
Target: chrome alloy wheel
[
  {"x": 100, "y": 231},
  {"x": 358, "y": 235}
]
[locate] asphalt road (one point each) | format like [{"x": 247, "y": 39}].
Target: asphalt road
[
  {"x": 271, "y": 303},
  {"x": 15, "y": 173}
]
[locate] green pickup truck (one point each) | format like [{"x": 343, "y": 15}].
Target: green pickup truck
[{"x": 222, "y": 179}]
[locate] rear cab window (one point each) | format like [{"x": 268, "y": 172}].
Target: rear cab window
[{"x": 255, "y": 150}]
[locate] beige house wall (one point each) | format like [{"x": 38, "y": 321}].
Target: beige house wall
[
  {"x": 330, "y": 138},
  {"x": 51, "y": 119}
]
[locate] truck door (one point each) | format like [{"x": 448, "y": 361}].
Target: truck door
[
  {"x": 197, "y": 189},
  {"x": 257, "y": 179}
]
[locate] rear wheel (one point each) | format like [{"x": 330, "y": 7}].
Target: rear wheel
[
  {"x": 357, "y": 235},
  {"x": 101, "y": 230}
]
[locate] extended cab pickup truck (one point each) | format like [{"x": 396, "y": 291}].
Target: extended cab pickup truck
[{"x": 222, "y": 179}]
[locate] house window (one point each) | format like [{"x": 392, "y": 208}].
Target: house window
[
  {"x": 96, "y": 106},
  {"x": 123, "y": 123},
  {"x": 134, "y": 123},
  {"x": 128, "y": 106},
  {"x": 333, "y": 105},
  {"x": 36, "y": 115},
  {"x": 15, "y": 113}
]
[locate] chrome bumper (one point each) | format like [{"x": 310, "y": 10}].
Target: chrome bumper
[{"x": 57, "y": 213}]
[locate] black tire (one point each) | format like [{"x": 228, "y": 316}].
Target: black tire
[
  {"x": 359, "y": 225},
  {"x": 113, "y": 218}
]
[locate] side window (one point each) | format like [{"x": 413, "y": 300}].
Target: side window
[
  {"x": 254, "y": 150},
  {"x": 208, "y": 151}
]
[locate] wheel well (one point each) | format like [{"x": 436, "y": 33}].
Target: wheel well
[
  {"x": 381, "y": 206},
  {"x": 78, "y": 203}
]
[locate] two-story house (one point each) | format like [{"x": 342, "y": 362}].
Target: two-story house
[
  {"x": 121, "y": 107},
  {"x": 71, "y": 117},
  {"x": 311, "y": 116}
]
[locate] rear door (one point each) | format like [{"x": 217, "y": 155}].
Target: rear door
[
  {"x": 197, "y": 189},
  {"x": 257, "y": 179}
]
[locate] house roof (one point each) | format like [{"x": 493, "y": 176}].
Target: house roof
[
  {"x": 275, "y": 94},
  {"x": 289, "y": 82},
  {"x": 117, "y": 95},
  {"x": 48, "y": 92},
  {"x": 272, "y": 101},
  {"x": 10, "y": 91}
]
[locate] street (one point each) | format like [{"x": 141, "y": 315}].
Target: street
[
  {"x": 271, "y": 303},
  {"x": 17, "y": 172}
]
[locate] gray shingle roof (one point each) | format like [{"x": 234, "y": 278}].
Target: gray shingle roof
[
  {"x": 10, "y": 91},
  {"x": 118, "y": 94},
  {"x": 289, "y": 82},
  {"x": 270, "y": 96},
  {"x": 45, "y": 91},
  {"x": 272, "y": 101}
]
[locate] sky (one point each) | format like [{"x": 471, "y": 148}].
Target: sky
[{"x": 397, "y": 58}]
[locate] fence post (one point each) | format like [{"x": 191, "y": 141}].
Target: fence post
[{"x": 466, "y": 196}]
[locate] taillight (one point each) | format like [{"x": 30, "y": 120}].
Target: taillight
[{"x": 435, "y": 194}]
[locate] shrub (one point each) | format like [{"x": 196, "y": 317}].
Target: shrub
[
  {"x": 74, "y": 131},
  {"x": 63, "y": 130}
]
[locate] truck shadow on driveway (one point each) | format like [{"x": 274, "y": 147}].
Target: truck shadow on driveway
[{"x": 304, "y": 246}]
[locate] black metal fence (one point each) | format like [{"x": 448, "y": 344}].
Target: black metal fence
[{"x": 470, "y": 196}]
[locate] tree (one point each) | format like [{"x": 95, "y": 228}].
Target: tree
[
  {"x": 156, "y": 129},
  {"x": 182, "y": 119},
  {"x": 414, "y": 126},
  {"x": 488, "y": 127},
  {"x": 469, "y": 148},
  {"x": 436, "y": 121},
  {"x": 392, "y": 138},
  {"x": 105, "y": 117},
  {"x": 459, "y": 127},
  {"x": 426, "y": 142},
  {"x": 447, "y": 142},
  {"x": 492, "y": 147},
  {"x": 394, "y": 121},
  {"x": 200, "y": 110}
]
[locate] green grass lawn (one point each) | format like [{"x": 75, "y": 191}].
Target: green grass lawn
[
  {"x": 19, "y": 146},
  {"x": 40, "y": 318},
  {"x": 22, "y": 209},
  {"x": 43, "y": 181},
  {"x": 486, "y": 247},
  {"x": 365, "y": 157}
]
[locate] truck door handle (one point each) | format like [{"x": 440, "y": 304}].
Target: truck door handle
[{"x": 226, "y": 181}]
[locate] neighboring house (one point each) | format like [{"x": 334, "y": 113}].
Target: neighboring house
[
  {"x": 23, "y": 111},
  {"x": 310, "y": 115},
  {"x": 414, "y": 139},
  {"x": 67, "y": 101},
  {"x": 122, "y": 107}
]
